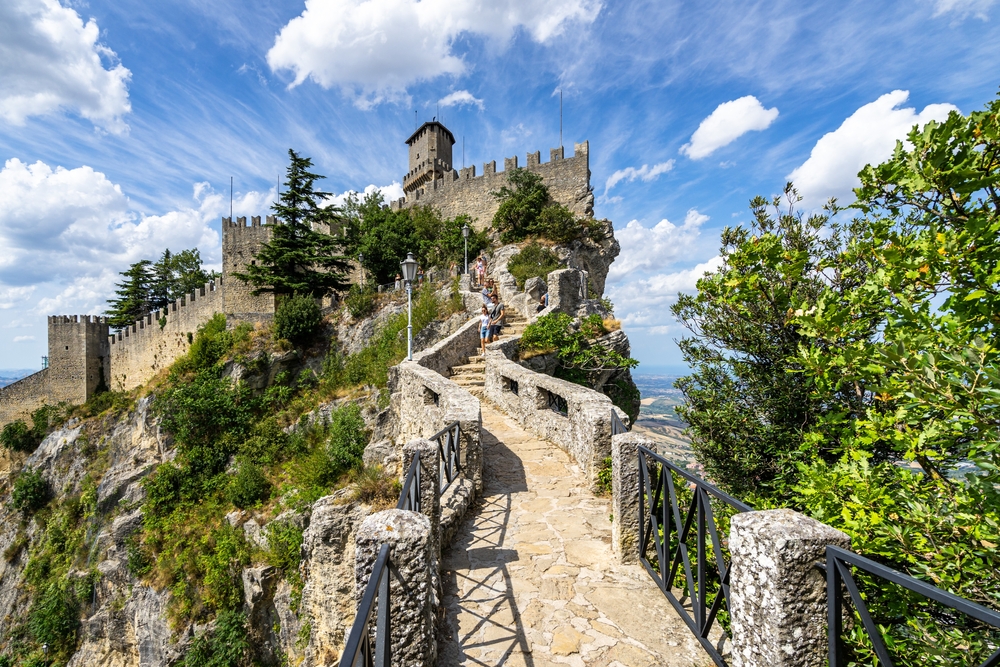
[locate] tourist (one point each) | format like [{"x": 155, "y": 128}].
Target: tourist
[
  {"x": 543, "y": 303},
  {"x": 399, "y": 280},
  {"x": 496, "y": 317},
  {"x": 481, "y": 270},
  {"x": 420, "y": 275},
  {"x": 484, "y": 329},
  {"x": 488, "y": 289}
]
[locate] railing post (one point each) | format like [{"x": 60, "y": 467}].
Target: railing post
[
  {"x": 778, "y": 599},
  {"x": 625, "y": 495},
  {"x": 430, "y": 501},
  {"x": 411, "y": 616}
]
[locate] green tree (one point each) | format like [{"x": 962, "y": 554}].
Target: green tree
[
  {"x": 382, "y": 235},
  {"x": 133, "y": 296},
  {"x": 521, "y": 203},
  {"x": 175, "y": 275},
  {"x": 300, "y": 257}
]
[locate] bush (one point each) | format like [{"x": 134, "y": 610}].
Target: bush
[
  {"x": 348, "y": 438},
  {"x": 226, "y": 645},
  {"x": 534, "y": 261},
  {"x": 297, "y": 318},
  {"x": 521, "y": 204},
  {"x": 31, "y": 492},
  {"x": 604, "y": 477},
  {"x": 360, "y": 303},
  {"x": 54, "y": 617},
  {"x": 374, "y": 486},
  {"x": 557, "y": 223},
  {"x": 16, "y": 436},
  {"x": 248, "y": 486}
]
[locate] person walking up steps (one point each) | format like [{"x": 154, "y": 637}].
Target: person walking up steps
[
  {"x": 484, "y": 329},
  {"x": 496, "y": 317}
]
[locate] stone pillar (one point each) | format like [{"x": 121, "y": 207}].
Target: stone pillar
[
  {"x": 430, "y": 475},
  {"x": 777, "y": 594},
  {"x": 625, "y": 495},
  {"x": 412, "y": 616}
]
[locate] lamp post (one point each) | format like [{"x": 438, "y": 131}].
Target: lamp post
[
  {"x": 409, "y": 269},
  {"x": 465, "y": 235},
  {"x": 361, "y": 269}
]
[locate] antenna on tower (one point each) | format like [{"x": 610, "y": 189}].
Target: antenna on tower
[
  {"x": 230, "y": 197},
  {"x": 560, "y": 118},
  {"x": 415, "y": 123},
  {"x": 463, "y": 151}
]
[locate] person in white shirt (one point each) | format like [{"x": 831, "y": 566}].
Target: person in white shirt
[{"x": 484, "y": 329}]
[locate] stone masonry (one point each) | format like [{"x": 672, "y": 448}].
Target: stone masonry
[{"x": 462, "y": 192}]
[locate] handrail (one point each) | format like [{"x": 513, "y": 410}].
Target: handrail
[
  {"x": 359, "y": 651},
  {"x": 663, "y": 525},
  {"x": 449, "y": 441},
  {"x": 409, "y": 496},
  {"x": 838, "y": 577},
  {"x": 617, "y": 427}
]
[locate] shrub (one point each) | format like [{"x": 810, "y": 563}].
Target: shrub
[
  {"x": 284, "y": 545},
  {"x": 521, "y": 204},
  {"x": 268, "y": 445},
  {"x": 297, "y": 318},
  {"x": 222, "y": 563},
  {"x": 31, "y": 492},
  {"x": 360, "y": 302},
  {"x": 248, "y": 486},
  {"x": 210, "y": 344},
  {"x": 348, "y": 437},
  {"x": 54, "y": 617},
  {"x": 604, "y": 477},
  {"x": 226, "y": 645},
  {"x": 534, "y": 261},
  {"x": 17, "y": 437},
  {"x": 44, "y": 419},
  {"x": 557, "y": 223},
  {"x": 374, "y": 486}
]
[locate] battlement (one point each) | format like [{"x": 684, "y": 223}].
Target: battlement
[
  {"x": 241, "y": 222},
  {"x": 56, "y": 320},
  {"x": 208, "y": 294},
  {"x": 464, "y": 192}
]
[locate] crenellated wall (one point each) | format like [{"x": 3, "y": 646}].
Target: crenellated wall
[
  {"x": 240, "y": 245},
  {"x": 568, "y": 181},
  {"x": 19, "y": 399},
  {"x": 140, "y": 351}
]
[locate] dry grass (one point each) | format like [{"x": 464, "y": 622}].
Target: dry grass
[
  {"x": 612, "y": 324},
  {"x": 372, "y": 485}
]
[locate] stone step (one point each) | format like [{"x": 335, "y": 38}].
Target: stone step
[
  {"x": 469, "y": 381},
  {"x": 469, "y": 368},
  {"x": 475, "y": 359}
]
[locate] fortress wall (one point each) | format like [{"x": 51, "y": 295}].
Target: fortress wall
[
  {"x": 20, "y": 399},
  {"x": 140, "y": 351},
  {"x": 568, "y": 180},
  {"x": 240, "y": 245},
  {"x": 78, "y": 357}
]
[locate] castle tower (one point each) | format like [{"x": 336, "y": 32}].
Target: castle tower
[
  {"x": 240, "y": 245},
  {"x": 430, "y": 156},
  {"x": 79, "y": 357}
]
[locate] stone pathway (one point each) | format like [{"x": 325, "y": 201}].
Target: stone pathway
[{"x": 530, "y": 579}]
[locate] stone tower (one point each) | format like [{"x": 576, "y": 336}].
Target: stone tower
[
  {"x": 79, "y": 357},
  {"x": 240, "y": 245},
  {"x": 430, "y": 156}
]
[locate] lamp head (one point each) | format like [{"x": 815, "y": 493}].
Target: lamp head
[
  {"x": 409, "y": 267},
  {"x": 465, "y": 231}
]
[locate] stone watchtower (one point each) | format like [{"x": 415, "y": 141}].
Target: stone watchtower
[
  {"x": 79, "y": 356},
  {"x": 240, "y": 245},
  {"x": 430, "y": 156}
]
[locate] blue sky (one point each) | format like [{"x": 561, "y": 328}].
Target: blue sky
[{"x": 122, "y": 122}]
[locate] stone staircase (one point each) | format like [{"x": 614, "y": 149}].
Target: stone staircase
[{"x": 471, "y": 375}]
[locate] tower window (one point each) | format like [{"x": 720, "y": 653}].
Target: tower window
[{"x": 67, "y": 347}]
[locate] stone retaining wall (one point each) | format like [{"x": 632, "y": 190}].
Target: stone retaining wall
[
  {"x": 452, "y": 351},
  {"x": 575, "y": 418},
  {"x": 19, "y": 399}
]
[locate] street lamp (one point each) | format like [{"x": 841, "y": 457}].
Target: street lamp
[
  {"x": 361, "y": 269},
  {"x": 465, "y": 235},
  {"x": 409, "y": 269}
]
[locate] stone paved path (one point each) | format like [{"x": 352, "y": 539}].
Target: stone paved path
[{"x": 530, "y": 579}]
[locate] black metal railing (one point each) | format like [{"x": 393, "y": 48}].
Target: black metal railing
[
  {"x": 361, "y": 650},
  {"x": 839, "y": 579},
  {"x": 617, "y": 427},
  {"x": 557, "y": 403},
  {"x": 409, "y": 497},
  {"x": 449, "y": 441},
  {"x": 668, "y": 528}
]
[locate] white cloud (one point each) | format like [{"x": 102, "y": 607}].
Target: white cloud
[
  {"x": 22, "y": 339},
  {"x": 376, "y": 48},
  {"x": 72, "y": 230},
  {"x": 868, "y": 136},
  {"x": 389, "y": 193},
  {"x": 730, "y": 121},
  {"x": 644, "y": 173},
  {"x": 961, "y": 9},
  {"x": 646, "y": 303},
  {"x": 51, "y": 60},
  {"x": 651, "y": 248},
  {"x": 460, "y": 98}
]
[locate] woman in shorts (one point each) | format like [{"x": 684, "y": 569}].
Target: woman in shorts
[{"x": 484, "y": 329}]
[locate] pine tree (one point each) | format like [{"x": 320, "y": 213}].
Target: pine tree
[
  {"x": 175, "y": 275},
  {"x": 300, "y": 258},
  {"x": 133, "y": 295}
]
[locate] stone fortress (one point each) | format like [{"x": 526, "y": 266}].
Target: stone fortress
[{"x": 85, "y": 357}]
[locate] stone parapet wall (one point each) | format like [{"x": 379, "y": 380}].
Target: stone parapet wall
[
  {"x": 19, "y": 399},
  {"x": 451, "y": 351},
  {"x": 424, "y": 402},
  {"x": 465, "y": 193},
  {"x": 536, "y": 400},
  {"x": 140, "y": 351}
]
